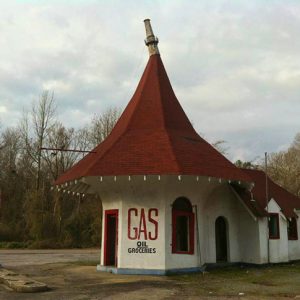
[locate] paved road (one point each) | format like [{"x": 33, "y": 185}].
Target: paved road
[{"x": 14, "y": 258}]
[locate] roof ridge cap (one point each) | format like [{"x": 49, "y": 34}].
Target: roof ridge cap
[{"x": 140, "y": 88}]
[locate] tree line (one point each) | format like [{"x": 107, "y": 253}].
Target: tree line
[
  {"x": 31, "y": 213},
  {"x": 34, "y": 215},
  {"x": 283, "y": 167}
]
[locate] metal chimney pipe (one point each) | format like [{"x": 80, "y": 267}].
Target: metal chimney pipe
[{"x": 151, "y": 40}]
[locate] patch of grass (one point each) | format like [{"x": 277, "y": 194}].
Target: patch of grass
[
  {"x": 44, "y": 244},
  {"x": 13, "y": 245},
  {"x": 266, "y": 281}
]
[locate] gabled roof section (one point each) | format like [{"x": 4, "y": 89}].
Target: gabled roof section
[
  {"x": 254, "y": 206},
  {"x": 287, "y": 201}
]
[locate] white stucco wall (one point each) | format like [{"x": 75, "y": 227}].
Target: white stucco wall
[
  {"x": 244, "y": 242},
  {"x": 196, "y": 192},
  {"x": 123, "y": 194},
  {"x": 222, "y": 202},
  {"x": 263, "y": 240},
  {"x": 247, "y": 235},
  {"x": 214, "y": 199},
  {"x": 249, "y": 242},
  {"x": 278, "y": 247},
  {"x": 144, "y": 195},
  {"x": 280, "y": 250}
]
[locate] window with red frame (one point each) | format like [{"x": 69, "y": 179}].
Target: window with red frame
[
  {"x": 292, "y": 229},
  {"x": 182, "y": 226},
  {"x": 274, "y": 226}
]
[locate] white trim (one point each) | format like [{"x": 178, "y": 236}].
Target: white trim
[{"x": 283, "y": 216}]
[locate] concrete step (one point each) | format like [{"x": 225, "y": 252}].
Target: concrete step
[{"x": 21, "y": 283}]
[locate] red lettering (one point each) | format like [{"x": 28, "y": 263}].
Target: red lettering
[
  {"x": 140, "y": 232},
  {"x": 134, "y": 229},
  {"x": 142, "y": 227},
  {"x": 154, "y": 222}
]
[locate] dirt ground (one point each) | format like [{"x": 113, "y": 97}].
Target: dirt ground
[{"x": 78, "y": 279}]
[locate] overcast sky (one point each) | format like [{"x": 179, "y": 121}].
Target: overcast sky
[{"x": 234, "y": 65}]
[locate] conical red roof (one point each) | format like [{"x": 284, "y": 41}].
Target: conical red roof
[{"x": 154, "y": 136}]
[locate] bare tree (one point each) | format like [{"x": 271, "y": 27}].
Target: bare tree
[
  {"x": 29, "y": 210},
  {"x": 60, "y": 137},
  {"x": 2, "y": 144},
  {"x": 284, "y": 167},
  {"x": 11, "y": 188},
  {"x": 34, "y": 129},
  {"x": 296, "y": 142},
  {"x": 102, "y": 125},
  {"x": 42, "y": 116}
]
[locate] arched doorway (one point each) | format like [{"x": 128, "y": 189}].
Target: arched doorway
[{"x": 221, "y": 239}]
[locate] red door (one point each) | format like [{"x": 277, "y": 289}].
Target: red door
[{"x": 111, "y": 237}]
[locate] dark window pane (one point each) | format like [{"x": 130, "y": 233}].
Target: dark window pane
[
  {"x": 182, "y": 226},
  {"x": 292, "y": 229},
  {"x": 273, "y": 226},
  {"x": 182, "y": 233}
]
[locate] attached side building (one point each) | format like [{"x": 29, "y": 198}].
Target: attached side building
[{"x": 283, "y": 211}]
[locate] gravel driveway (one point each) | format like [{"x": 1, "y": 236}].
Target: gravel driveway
[{"x": 13, "y": 258}]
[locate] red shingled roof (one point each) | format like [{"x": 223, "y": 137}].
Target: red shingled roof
[
  {"x": 154, "y": 136},
  {"x": 287, "y": 201}
]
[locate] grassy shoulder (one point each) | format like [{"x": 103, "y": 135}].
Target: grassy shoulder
[
  {"x": 43, "y": 244},
  {"x": 269, "y": 281},
  {"x": 13, "y": 245}
]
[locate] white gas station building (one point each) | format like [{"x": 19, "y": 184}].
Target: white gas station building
[{"x": 171, "y": 202}]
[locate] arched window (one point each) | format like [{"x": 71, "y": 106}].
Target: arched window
[{"x": 182, "y": 226}]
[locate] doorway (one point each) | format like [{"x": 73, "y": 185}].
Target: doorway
[
  {"x": 221, "y": 239},
  {"x": 111, "y": 237}
]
